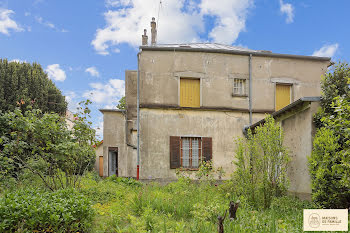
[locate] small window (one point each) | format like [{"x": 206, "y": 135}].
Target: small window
[
  {"x": 191, "y": 152},
  {"x": 239, "y": 87}
]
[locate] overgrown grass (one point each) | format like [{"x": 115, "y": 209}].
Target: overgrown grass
[{"x": 125, "y": 205}]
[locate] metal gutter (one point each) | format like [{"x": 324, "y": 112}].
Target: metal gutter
[
  {"x": 138, "y": 118},
  {"x": 286, "y": 108},
  {"x": 225, "y": 51},
  {"x": 126, "y": 131},
  {"x": 112, "y": 110},
  {"x": 250, "y": 90}
]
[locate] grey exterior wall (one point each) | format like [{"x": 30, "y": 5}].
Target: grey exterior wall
[
  {"x": 221, "y": 116},
  {"x": 299, "y": 131},
  {"x": 160, "y": 72}
]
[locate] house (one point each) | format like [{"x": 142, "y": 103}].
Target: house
[{"x": 194, "y": 99}]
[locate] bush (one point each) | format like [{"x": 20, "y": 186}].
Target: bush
[
  {"x": 261, "y": 163},
  {"x": 37, "y": 210},
  {"x": 329, "y": 163},
  {"x": 327, "y": 187},
  {"x": 44, "y": 145}
]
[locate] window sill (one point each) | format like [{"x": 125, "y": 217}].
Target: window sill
[
  {"x": 239, "y": 95},
  {"x": 188, "y": 169}
]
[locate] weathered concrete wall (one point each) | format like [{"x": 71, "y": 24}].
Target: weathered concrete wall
[
  {"x": 299, "y": 131},
  {"x": 161, "y": 70},
  {"x": 158, "y": 125},
  {"x": 114, "y": 136}
]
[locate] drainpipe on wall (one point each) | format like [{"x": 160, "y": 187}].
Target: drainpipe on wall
[
  {"x": 250, "y": 90},
  {"x": 138, "y": 118}
]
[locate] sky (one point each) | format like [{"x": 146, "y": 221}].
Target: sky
[{"x": 85, "y": 46}]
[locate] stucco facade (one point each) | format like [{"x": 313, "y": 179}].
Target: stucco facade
[
  {"x": 298, "y": 127},
  {"x": 222, "y": 115}
]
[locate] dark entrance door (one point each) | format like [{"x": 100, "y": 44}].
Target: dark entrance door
[{"x": 113, "y": 161}]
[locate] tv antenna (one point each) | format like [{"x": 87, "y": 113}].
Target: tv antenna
[{"x": 160, "y": 6}]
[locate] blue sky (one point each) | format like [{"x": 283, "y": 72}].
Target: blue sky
[{"x": 86, "y": 46}]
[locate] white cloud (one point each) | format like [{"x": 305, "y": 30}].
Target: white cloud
[
  {"x": 93, "y": 71},
  {"x": 230, "y": 18},
  {"x": 106, "y": 93},
  {"x": 55, "y": 72},
  {"x": 71, "y": 98},
  {"x": 99, "y": 129},
  {"x": 180, "y": 21},
  {"x": 6, "y": 23},
  {"x": 48, "y": 24},
  {"x": 326, "y": 50},
  {"x": 288, "y": 9}
]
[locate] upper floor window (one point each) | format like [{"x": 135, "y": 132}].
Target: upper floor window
[
  {"x": 239, "y": 87},
  {"x": 283, "y": 96},
  {"x": 189, "y": 92}
]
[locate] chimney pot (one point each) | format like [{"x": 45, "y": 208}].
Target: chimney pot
[
  {"x": 153, "y": 31},
  {"x": 144, "y": 37}
]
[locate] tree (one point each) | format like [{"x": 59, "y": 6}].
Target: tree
[
  {"x": 43, "y": 144},
  {"x": 261, "y": 164},
  {"x": 329, "y": 163},
  {"x": 23, "y": 84},
  {"x": 121, "y": 104}
]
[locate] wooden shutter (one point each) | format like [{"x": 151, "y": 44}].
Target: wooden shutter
[
  {"x": 207, "y": 149},
  {"x": 282, "y": 96},
  {"x": 189, "y": 92},
  {"x": 175, "y": 152},
  {"x": 101, "y": 166}
]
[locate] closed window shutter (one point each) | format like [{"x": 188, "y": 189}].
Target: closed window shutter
[
  {"x": 175, "y": 152},
  {"x": 207, "y": 149}
]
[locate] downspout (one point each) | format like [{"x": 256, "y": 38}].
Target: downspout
[
  {"x": 138, "y": 118},
  {"x": 126, "y": 131},
  {"x": 250, "y": 90}
]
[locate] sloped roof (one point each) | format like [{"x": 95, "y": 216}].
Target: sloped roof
[
  {"x": 227, "y": 49},
  {"x": 205, "y": 46},
  {"x": 284, "y": 110}
]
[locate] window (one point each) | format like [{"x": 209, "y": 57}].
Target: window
[
  {"x": 189, "y": 152},
  {"x": 189, "y": 92},
  {"x": 239, "y": 87},
  {"x": 283, "y": 96}
]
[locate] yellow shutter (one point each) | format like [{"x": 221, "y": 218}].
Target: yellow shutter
[
  {"x": 189, "y": 92},
  {"x": 282, "y": 96}
]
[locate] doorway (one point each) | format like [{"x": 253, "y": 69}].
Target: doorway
[{"x": 113, "y": 161}]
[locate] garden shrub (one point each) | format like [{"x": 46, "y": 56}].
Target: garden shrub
[
  {"x": 329, "y": 163},
  {"x": 261, "y": 164},
  {"x": 45, "y": 146},
  {"x": 38, "y": 210}
]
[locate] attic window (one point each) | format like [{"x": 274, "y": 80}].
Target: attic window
[{"x": 239, "y": 87}]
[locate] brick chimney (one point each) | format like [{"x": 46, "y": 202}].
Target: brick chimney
[
  {"x": 153, "y": 31},
  {"x": 144, "y": 37}
]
